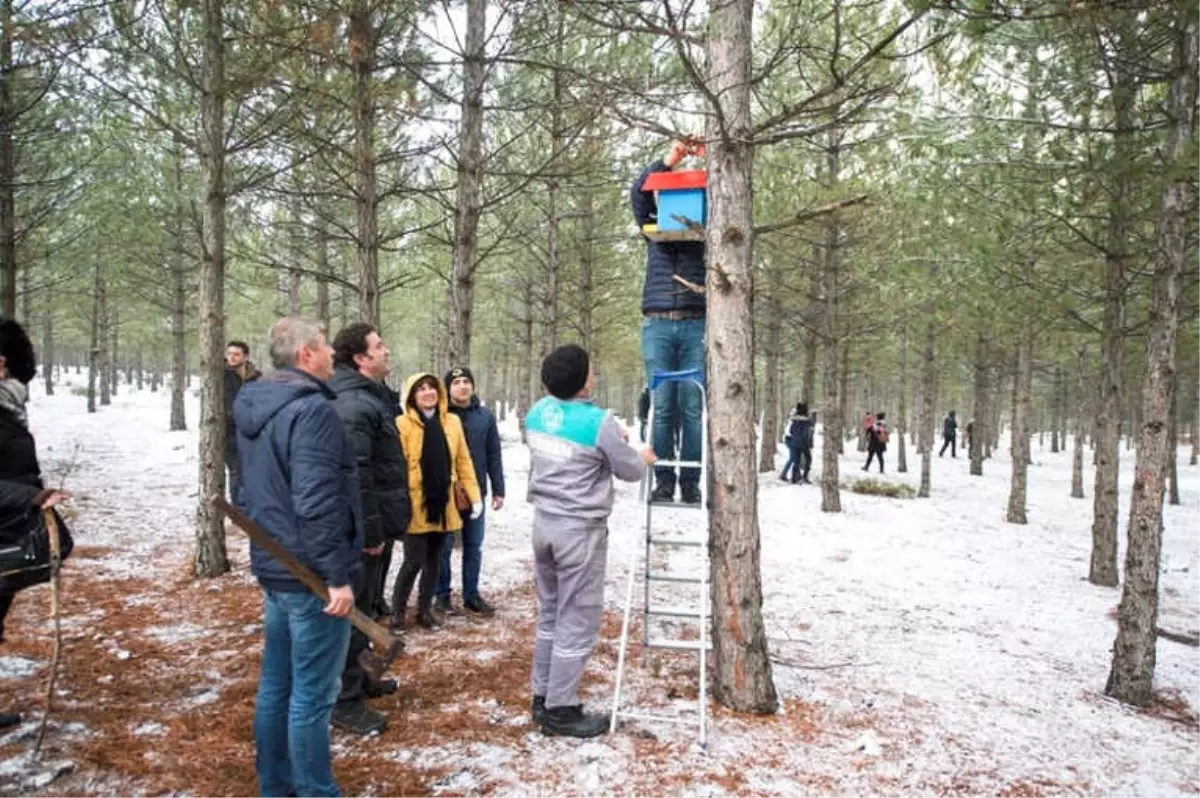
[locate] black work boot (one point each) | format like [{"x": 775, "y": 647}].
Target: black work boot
[
  {"x": 8, "y": 719},
  {"x": 689, "y": 494},
  {"x": 377, "y": 688},
  {"x": 358, "y": 718},
  {"x": 428, "y": 620},
  {"x": 573, "y": 722},
  {"x": 538, "y": 712},
  {"x": 442, "y": 604},
  {"x": 477, "y": 605},
  {"x": 663, "y": 493}
]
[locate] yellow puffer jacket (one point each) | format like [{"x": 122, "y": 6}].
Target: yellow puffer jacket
[{"x": 412, "y": 437}]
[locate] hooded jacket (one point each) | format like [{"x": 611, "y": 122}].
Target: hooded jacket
[
  {"x": 366, "y": 407},
  {"x": 800, "y": 430},
  {"x": 660, "y": 292},
  {"x": 233, "y": 386},
  {"x": 300, "y": 479},
  {"x": 411, "y": 427},
  {"x": 483, "y": 441}
]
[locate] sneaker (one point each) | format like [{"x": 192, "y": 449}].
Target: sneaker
[
  {"x": 689, "y": 494},
  {"x": 538, "y": 711},
  {"x": 358, "y": 718},
  {"x": 663, "y": 493},
  {"x": 8, "y": 719},
  {"x": 442, "y": 604},
  {"x": 479, "y": 606},
  {"x": 428, "y": 620},
  {"x": 573, "y": 722},
  {"x": 378, "y": 688}
]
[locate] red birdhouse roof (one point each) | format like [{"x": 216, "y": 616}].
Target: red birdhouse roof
[{"x": 675, "y": 181}]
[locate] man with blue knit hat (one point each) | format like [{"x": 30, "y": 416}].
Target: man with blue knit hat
[
  {"x": 483, "y": 441},
  {"x": 575, "y": 450}
]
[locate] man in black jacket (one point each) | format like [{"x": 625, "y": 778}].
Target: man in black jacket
[
  {"x": 672, "y": 334},
  {"x": 301, "y": 486},
  {"x": 365, "y": 406},
  {"x": 238, "y": 371},
  {"x": 949, "y": 435},
  {"x": 483, "y": 440}
]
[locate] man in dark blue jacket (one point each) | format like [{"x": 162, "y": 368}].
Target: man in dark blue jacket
[
  {"x": 300, "y": 483},
  {"x": 365, "y": 406},
  {"x": 672, "y": 334},
  {"x": 483, "y": 440}
]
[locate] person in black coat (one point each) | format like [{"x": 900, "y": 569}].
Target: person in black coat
[
  {"x": 361, "y": 364},
  {"x": 483, "y": 441},
  {"x": 799, "y": 441},
  {"x": 949, "y": 435},
  {"x": 21, "y": 487},
  {"x": 877, "y": 441},
  {"x": 238, "y": 371}
]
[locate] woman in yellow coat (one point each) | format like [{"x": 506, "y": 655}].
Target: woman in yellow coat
[{"x": 438, "y": 460}]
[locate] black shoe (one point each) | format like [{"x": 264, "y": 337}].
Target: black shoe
[
  {"x": 8, "y": 719},
  {"x": 379, "y": 688},
  {"x": 442, "y": 605},
  {"x": 396, "y": 623},
  {"x": 573, "y": 722},
  {"x": 538, "y": 712},
  {"x": 382, "y": 610},
  {"x": 358, "y": 718},
  {"x": 428, "y": 620},
  {"x": 663, "y": 493},
  {"x": 480, "y": 607},
  {"x": 689, "y": 494}
]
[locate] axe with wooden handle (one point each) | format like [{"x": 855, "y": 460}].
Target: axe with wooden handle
[{"x": 386, "y": 647}]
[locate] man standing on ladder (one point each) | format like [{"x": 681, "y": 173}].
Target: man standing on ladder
[
  {"x": 672, "y": 334},
  {"x": 575, "y": 451}
]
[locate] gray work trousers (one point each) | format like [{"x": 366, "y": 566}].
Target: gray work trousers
[{"x": 569, "y": 559}]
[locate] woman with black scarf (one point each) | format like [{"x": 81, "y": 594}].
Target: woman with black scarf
[
  {"x": 21, "y": 487},
  {"x": 439, "y": 464}
]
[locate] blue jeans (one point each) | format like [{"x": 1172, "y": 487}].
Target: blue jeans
[
  {"x": 304, "y": 651},
  {"x": 472, "y": 559},
  {"x": 675, "y": 346}
]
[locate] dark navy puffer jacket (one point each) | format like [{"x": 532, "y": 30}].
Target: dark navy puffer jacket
[
  {"x": 483, "y": 440},
  {"x": 665, "y": 258},
  {"x": 300, "y": 479}
]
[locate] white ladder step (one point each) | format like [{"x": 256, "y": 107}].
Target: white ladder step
[
  {"x": 681, "y": 645},
  {"x": 661, "y": 576},
  {"x": 661, "y": 541},
  {"x": 674, "y": 612}
]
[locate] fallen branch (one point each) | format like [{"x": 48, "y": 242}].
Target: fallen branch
[
  {"x": 1178, "y": 637},
  {"x": 808, "y": 215},
  {"x": 790, "y": 663},
  {"x": 688, "y": 284}
]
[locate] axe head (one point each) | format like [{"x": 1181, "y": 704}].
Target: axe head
[{"x": 375, "y": 664}]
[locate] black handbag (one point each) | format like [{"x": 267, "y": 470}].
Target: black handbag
[{"x": 25, "y": 562}]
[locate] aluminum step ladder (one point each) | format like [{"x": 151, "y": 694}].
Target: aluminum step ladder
[{"x": 698, "y": 607}]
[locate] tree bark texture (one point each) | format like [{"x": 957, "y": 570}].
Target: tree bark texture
[
  {"x": 1021, "y": 432},
  {"x": 94, "y": 343},
  {"x": 1132, "y": 676},
  {"x": 831, "y": 381},
  {"x": 211, "y": 557},
  {"x": 902, "y": 419},
  {"x": 8, "y": 210},
  {"x": 48, "y": 350},
  {"x": 975, "y": 441},
  {"x": 741, "y": 664},
  {"x": 178, "y": 421},
  {"x": 362, "y": 47},
  {"x": 467, "y": 208},
  {"x": 103, "y": 360},
  {"x": 928, "y": 404},
  {"x": 772, "y": 410},
  {"x": 1080, "y": 427}
]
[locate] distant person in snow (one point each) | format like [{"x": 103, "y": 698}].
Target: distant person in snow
[
  {"x": 949, "y": 435},
  {"x": 877, "y": 440},
  {"x": 238, "y": 371},
  {"x": 799, "y": 442},
  {"x": 575, "y": 451},
  {"x": 22, "y": 493}
]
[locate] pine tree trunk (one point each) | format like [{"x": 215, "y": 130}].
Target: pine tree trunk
[
  {"x": 808, "y": 389},
  {"x": 178, "y": 421},
  {"x": 554, "y": 266},
  {"x": 1132, "y": 676},
  {"x": 902, "y": 420},
  {"x": 844, "y": 394},
  {"x": 1195, "y": 436},
  {"x": 104, "y": 361},
  {"x": 467, "y": 206},
  {"x": 211, "y": 558},
  {"x": 48, "y": 351},
  {"x": 140, "y": 371},
  {"x": 295, "y": 304},
  {"x": 8, "y": 175},
  {"x": 321, "y": 243},
  {"x": 771, "y": 402},
  {"x": 831, "y": 410},
  {"x": 1022, "y": 410},
  {"x": 742, "y": 677},
  {"x": 1057, "y": 405},
  {"x": 587, "y": 256},
  {"x": 1080, "y": 428},
  {"x": 114, "y": 359},
  {"x": 362, "y": 66},
  {"x": 928, "y": 404},
  {"x": 525, "y": 366},
  {"x": 94, "y": 344},
  {"x": 978, "y": 435},
  {"x": 1173, "y": 449}
]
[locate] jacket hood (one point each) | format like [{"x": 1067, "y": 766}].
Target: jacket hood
[
  {"x": 259, "y": 401},
  {"x": 346, "y": 378},
  {"x": 410, "y": 408}
]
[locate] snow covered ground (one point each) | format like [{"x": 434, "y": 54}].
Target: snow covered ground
[{"x": 921, "y": 645}]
